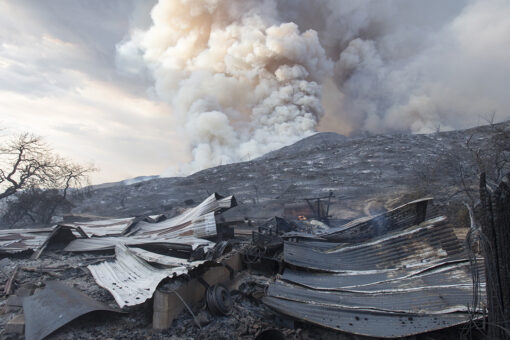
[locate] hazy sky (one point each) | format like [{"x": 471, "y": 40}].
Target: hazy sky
[{"x": 58, "y": 79}]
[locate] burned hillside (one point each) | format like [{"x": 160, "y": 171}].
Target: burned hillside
[
  {"x": 331, "y": 237},
  {"x": 366, "y": 174}
]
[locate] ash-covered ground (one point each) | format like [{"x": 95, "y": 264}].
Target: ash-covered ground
[
  {"x": 367, "y": 175},
  {"x": 249, "y": 316}
]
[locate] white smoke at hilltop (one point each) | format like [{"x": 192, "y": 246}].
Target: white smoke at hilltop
[
  {"x": 411, "y": 65},
  {"x": 240, "y": 81},
  {"x": 248, "y": 76}
]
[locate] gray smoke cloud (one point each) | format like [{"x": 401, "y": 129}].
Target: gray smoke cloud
[{"x": 245, "y": 77}]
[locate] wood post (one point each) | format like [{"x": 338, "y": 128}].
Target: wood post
[{"x": 495, "y": 225}]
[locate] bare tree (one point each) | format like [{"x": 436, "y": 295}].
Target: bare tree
[
  {"x": 35, "y": 180},
  {"x": 26, "y": 162}
]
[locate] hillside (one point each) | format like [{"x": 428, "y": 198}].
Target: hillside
[{"x": 366, "y": 175}]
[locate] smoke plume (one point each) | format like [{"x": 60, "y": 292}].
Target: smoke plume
[{"x": 245, "y": 77}]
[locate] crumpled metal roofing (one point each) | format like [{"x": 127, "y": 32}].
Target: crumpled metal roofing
[
  {"x": 184, "y": 229},
  {"x": 445, "y": 273},
  {"x": 368, "y": 323},
  {"x": 53, "y": 307},
  {"x": 365, "y": 228},
  {"x": 194, "y": 223},
  {"x": 130, "y": 279},
  {"x": 198, "y": 221},
  {"x": 17, "y": 240},
  {"x": 108, "y": 227},
  {"x": 428, "y": 242},
  {"x": 165, "y": 260},
  {"x": 108, "y": 243},
  {"x": 432, "y": 300},
  {"x": 198, "y": 226},
  {"x": 399, "y": 284}
]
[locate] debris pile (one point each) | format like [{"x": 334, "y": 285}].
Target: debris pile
[{"x": 400, "y": 273}]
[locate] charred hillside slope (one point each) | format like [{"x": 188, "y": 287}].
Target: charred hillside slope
[{"x": 366, "y": 175}]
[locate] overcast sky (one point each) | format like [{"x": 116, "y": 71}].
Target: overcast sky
[{"x": 58, "y": 79}]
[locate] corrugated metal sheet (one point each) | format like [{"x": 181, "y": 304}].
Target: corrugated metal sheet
[
  {"x": 446, "y": 273},
  {"x": 433, "y": 300},
  {"x": 108, "y": 243},
  {"x": 199, "y": 226},
  {"x": 53, "y": 307},
  {"x": 427, "y": 243},
  {"x": 399, "y": 284},
  {"x": 109, "y": 227},
  {"x": 185, "y": 229},
  {"x": 198, "y": 221},
  {"x": 375, "y": 324},
  {"x": 365, "y": 228},
  {"x": 130, "y": 279},
  {"x": 17, "y": 240},
  {"x": 164, "y": 260}
]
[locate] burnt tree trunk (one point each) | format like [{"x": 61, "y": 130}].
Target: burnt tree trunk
[{"x": 495, "y": 224}]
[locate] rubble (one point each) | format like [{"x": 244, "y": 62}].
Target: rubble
[
  {"x": 16, "y": 325},
  {"x": 399, "y": 273}
]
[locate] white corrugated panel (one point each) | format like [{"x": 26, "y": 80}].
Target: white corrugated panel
[
  {"x": 198, "y": 221},
  {"x": 130, "y": 279}
]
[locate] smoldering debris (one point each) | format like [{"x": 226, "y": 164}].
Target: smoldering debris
[{"x": 410, "y": 275}]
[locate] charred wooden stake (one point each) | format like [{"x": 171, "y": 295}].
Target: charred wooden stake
[
  {"x": 8, "y": 285},
  {"x": 495, "y": 223}
]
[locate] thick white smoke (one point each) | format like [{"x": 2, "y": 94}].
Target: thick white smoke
[
  {"x": 240, "y": 81},
  {"x": 248, "y": 76}
]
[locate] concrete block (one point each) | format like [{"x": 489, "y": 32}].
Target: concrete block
[
  {"x": 16, "y": 325},
  {"x": 167, "y": 305},
  {"x": 14, "y": 301},
  {"x": 26, "y": 290}
]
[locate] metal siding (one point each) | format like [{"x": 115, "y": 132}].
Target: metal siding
[
  {"x": 379, "y": 325},
  {"x": 366, "y": 228},
  {"x": 53, "y": 307},
  {"x": 129, "y": 279}
]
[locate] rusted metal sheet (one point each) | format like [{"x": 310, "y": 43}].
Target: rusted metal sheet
[
  {"x": 365, "y": 228},
  {"x": 375, "y": 324},
  {"x": 130, "y": 279},
  {"x": 17, "y": 240},
  {"x": 53, "y": 307},
  {"x": 427, "y": 243}
]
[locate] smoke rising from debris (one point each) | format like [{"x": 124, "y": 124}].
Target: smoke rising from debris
[{"x": 245, "y": 77}]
